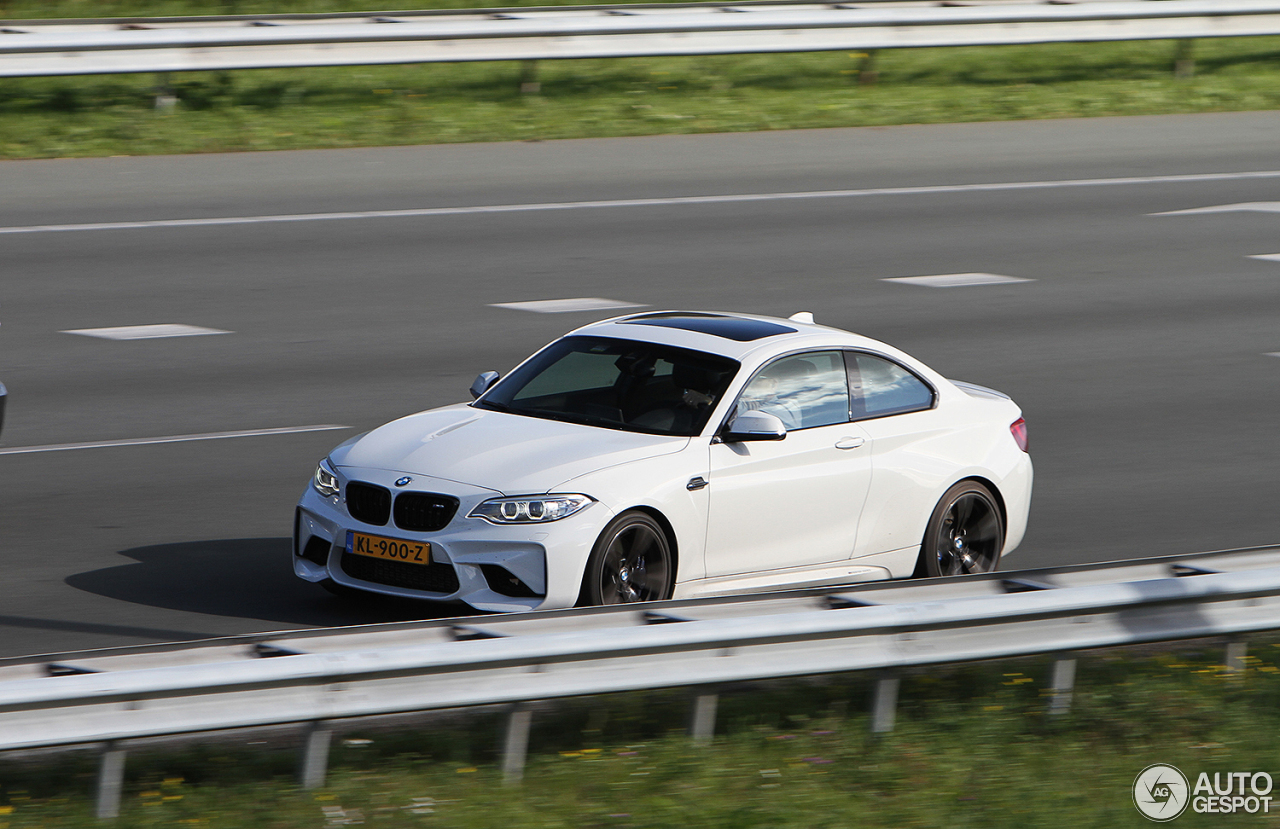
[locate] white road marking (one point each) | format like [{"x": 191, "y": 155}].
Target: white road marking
[
  {"x": 1270, "y": 257},
  {"x": 658, "y": 202},
  {"x": 247, "y": 433},
  {"x": 1243, "y": 207},
  {"x": 145, "y": 332},
  {"x": 1272, "y": 354},
  {"x": 562, "y": 306},
  {"x": 957, "y": 280}
]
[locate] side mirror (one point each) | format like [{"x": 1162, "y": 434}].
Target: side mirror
[
  {"x": 755, "y": 425},
  {"x": 483, "y": 383}
]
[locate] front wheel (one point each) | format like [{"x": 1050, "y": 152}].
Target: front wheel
[
  {"x": 631, "y": 562},
  {"x": 965, "y": 534}
]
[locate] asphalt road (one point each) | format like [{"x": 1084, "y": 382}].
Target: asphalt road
[{"x": 1139, "y": 350}]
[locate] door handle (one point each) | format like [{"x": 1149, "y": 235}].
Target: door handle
[{"x": 849, "y": 443}]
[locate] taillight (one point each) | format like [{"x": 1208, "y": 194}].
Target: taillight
[{"x": 1019, "y": 430}]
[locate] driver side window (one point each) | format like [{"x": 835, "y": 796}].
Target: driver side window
[{"x": 803, "y": 390}]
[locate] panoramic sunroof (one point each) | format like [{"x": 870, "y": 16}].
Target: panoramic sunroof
[{"x": 731, "y": 328}]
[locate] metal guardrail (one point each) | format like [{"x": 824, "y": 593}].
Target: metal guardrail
[
  {"x": 276, "y": 18},
  {"x": 164, "y": 45},
  {"x": 313, "y": 677}
]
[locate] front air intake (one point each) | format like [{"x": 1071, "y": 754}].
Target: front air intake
[
  {"x": 504, "y": 582},
  {"x": 438, "y": 577},
  {"x": 317, "y": 550}
]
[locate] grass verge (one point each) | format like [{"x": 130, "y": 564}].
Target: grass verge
[
  {"x": 973, "y": 748},
  {"x": 444, "y": 103}
]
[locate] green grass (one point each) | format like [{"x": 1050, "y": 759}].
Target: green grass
[
  {"x": 973, "y": 748},
  {"x": 365, "y": 106}
]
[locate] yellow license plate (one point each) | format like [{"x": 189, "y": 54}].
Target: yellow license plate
[{"x": 392, "y": 549}]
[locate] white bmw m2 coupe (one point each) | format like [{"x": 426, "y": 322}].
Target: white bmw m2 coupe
[{"x": 672, "y": 455}]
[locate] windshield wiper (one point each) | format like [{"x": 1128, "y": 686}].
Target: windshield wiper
[{"x": 563, "y": 417}]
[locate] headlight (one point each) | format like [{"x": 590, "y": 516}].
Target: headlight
[
  {"x": 536, "y": 509},
  {"x": 325, "y": 480}
]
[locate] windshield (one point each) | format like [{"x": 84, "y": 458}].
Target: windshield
[{"x": 616, "y": 384}]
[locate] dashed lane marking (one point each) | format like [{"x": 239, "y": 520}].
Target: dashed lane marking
[
  {"x": 100, "y": 444},
  {"x": 957, "y": 280},
  {"x": 656, "y": 202},
  {"x": 562, "y": 306},
  {"x": 145, "y": 332},
  {"x": 1243, "y": 207},
  {"x": 1270, "y": 257}
]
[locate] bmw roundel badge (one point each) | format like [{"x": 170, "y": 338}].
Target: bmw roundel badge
[{"x": 406, "y": 479}]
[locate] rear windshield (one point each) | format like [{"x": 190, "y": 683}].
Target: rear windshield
[{"x": 616, "y": 384}]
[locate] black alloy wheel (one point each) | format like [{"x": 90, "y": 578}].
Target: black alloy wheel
[
  {"x": 965, "y": 534},
  {"x": 631, "y": 562}
]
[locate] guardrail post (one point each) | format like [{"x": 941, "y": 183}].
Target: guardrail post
[
  {"x": 165, "y": 99},
  {"x": 1237, "y": 651},
  {"x": 868, "y": 75},
  {"x": 884, "y": 704},
  {"x": 516, "y": 745},
  {"x": 315, "y": 755},
  {"x": 529, "y": 83},
  {"x": 1061, "y": 686},
  {"x": 1184, "y": 65},
  {"x": 110, "y": 780},
  {"x": 702, "y": 724}
]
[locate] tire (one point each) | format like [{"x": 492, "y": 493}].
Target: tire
[
  {"x": 964, "y": 535},
  {"x": 631, "y": 562}
]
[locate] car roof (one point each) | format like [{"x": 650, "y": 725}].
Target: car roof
[{"x": 737, "y": 336}]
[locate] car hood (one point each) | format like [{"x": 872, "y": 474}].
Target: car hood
[{"x": 512, "y": 454}]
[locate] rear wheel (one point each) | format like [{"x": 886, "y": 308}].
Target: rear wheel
[
  {"x": 965, "y": 534},
  {"x": 631, "y": 562}
]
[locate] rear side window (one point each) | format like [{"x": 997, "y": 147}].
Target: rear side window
[{"x": 879, "y": 387}]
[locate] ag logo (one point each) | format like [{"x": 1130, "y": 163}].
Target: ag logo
[{"x": 1160, "y": 792}]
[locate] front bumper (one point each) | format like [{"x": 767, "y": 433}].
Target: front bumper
[{"x": 489, "y": 567}]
